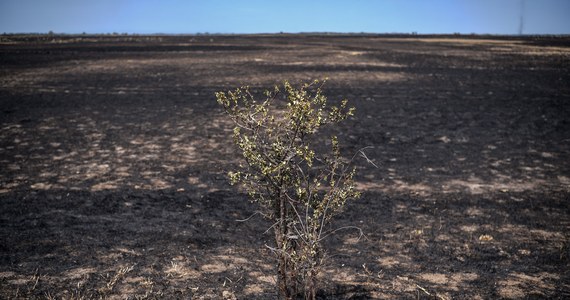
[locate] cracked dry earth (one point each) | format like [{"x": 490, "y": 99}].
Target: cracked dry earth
[{"x": 113, "y": 154}]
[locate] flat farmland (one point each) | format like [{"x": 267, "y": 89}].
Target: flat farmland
[{"x": 114, "y": 154}]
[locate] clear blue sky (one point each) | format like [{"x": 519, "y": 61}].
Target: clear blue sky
[{"x": 270, "y": 16}]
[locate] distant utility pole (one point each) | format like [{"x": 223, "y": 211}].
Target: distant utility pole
[{"x": 521, "y": 24}]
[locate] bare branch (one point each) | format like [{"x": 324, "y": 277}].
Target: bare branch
[
  {"x": 253, "y": 215},
  {"x": 362, "y": 154},
  {"x": 360, "y": 232}
]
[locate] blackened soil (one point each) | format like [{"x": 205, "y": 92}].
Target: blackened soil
[{"x": 113, "y": 152}]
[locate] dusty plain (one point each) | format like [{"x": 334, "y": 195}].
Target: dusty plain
[{"x": 113, "y": 154}]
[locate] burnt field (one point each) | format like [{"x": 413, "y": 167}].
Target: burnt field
[{"x": 113, "y": 155}]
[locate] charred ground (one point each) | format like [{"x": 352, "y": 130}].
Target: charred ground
[{"x": 113, "y": 153}]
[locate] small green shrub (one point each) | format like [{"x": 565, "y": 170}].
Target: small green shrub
[{"x": 298, "y": 188}]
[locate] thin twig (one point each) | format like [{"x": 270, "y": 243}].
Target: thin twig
[
  {"x": 360, "y": 235},
  {"x": 270, "y": 227},
  {"x": 247, "y": 219},
  {"x": 424, "y": 290},
  {"x": 368, "y": 160}
]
